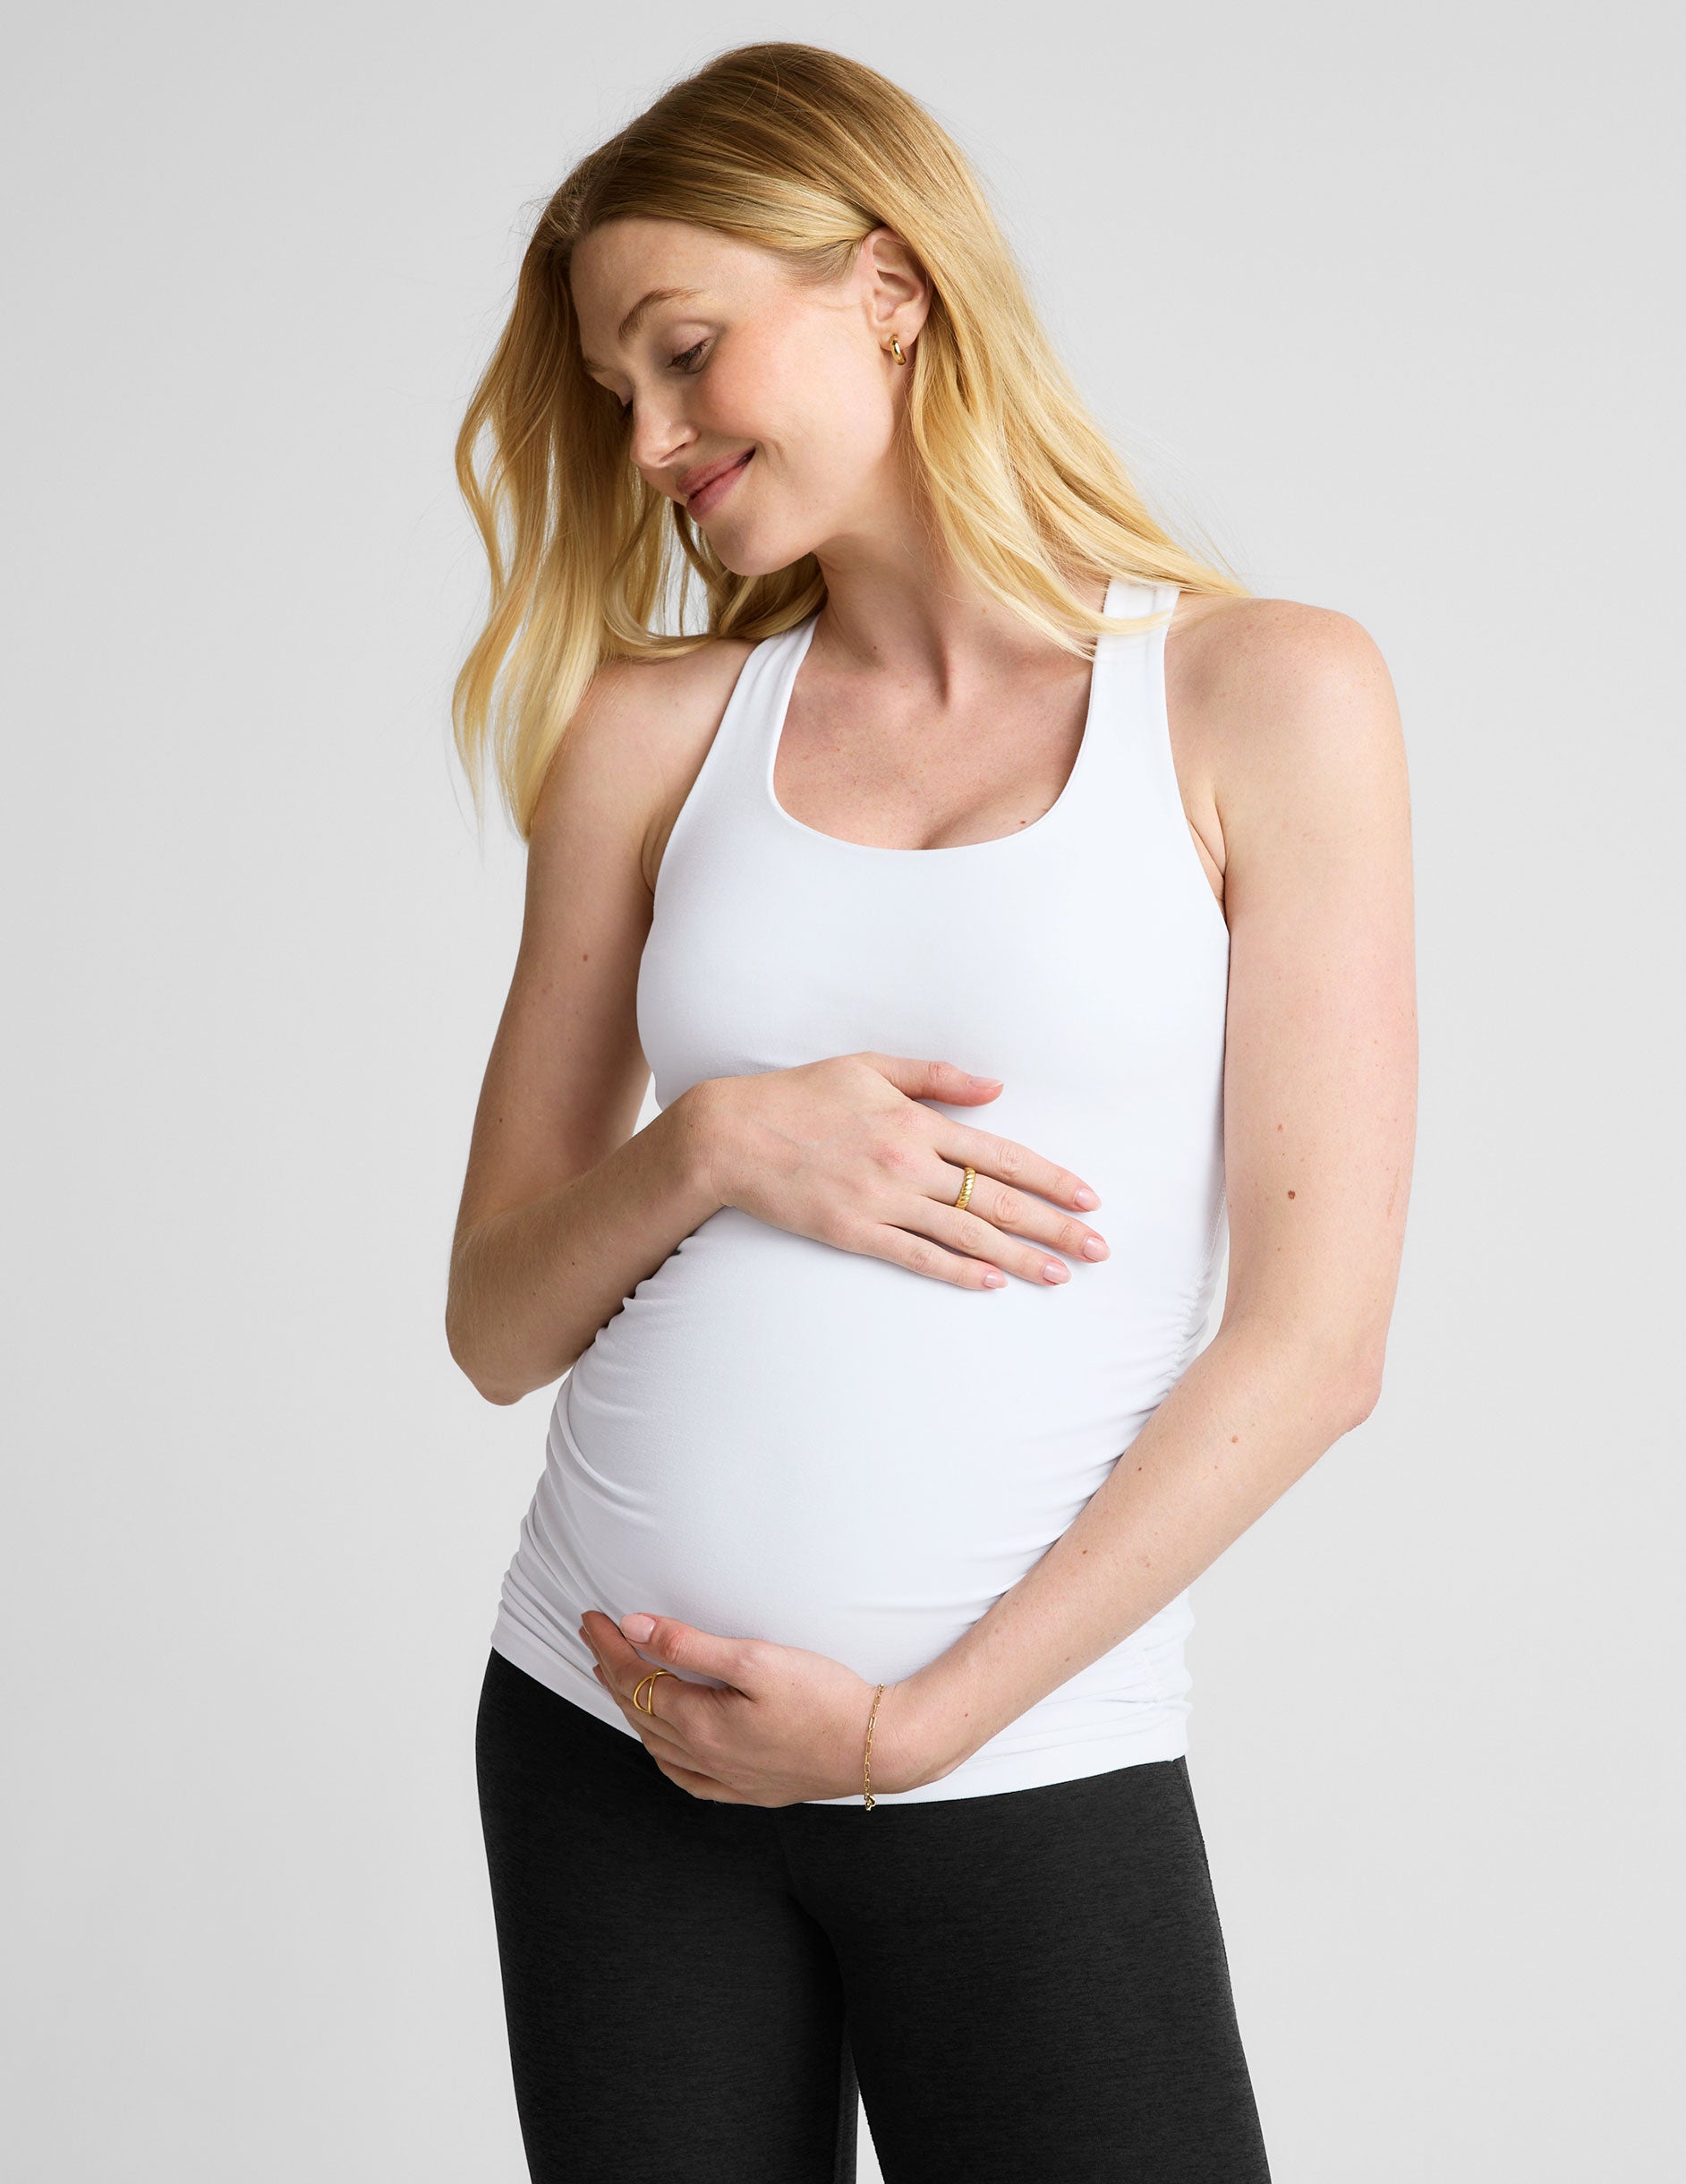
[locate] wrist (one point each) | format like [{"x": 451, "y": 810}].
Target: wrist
[
  {"x": 700, "y": 1120},
  {"x": 917, "y": 1737}
]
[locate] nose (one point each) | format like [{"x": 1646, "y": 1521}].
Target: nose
[{"x": 658, "y": 435}]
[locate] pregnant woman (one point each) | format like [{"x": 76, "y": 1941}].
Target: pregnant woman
[{"x": 1009, "y": 907}]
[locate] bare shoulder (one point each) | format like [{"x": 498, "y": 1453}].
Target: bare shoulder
[
  {"x": 1274, "y": 702},
  {"x": 1266, "y": 635},
  {"x": 633, "y": 750},
  {"x": 1250, "y": 670}
]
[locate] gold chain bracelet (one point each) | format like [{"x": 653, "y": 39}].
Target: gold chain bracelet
[{"x": 866, "y": 1778}]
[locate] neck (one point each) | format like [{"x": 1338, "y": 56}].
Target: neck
[{"x": 896, "y": 602}]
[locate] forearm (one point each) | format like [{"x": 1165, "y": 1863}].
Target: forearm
[
  {"x": 531, "y": 1287},
  {"x": 1253, "y": 1412}
]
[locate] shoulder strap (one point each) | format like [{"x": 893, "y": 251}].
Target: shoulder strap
[{"x": 728, "y": 788}]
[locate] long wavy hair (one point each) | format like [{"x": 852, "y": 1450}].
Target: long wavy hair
[{"x": 803, "y": 152}]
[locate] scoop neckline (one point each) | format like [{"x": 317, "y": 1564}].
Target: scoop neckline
[{"x": 943, "y": 848}]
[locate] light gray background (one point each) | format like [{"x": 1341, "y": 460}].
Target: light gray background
[{"x": 1382, "y": 296}]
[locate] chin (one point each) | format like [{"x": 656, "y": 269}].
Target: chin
[
  {"x": 753, "y": 555},
  {"x": 761, "y": 527}
]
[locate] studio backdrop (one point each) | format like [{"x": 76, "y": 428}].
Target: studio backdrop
[{"x": 1380, "y": 300}]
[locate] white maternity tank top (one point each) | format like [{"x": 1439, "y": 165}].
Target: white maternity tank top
[{"x": 777, "y": 1438}]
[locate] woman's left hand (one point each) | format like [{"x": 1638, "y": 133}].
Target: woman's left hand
[{"x": 782, "y": 1725}]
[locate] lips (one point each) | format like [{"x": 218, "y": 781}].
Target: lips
[{"x": 702, "y": 488}]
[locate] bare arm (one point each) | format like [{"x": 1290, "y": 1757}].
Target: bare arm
[
  {"x": 565, "y": 1210},
  {"x": 1319, "y": 1109}
]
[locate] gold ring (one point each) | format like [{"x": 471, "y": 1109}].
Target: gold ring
[
  {"x": 966, "y": 1189},
  {"x": 642, "y": 1680}
]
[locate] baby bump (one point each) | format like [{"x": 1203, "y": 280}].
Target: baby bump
[
  {"x": 871, "y": 1561},
  {"x": 782, "y": 1440},
  {"x": 778, "y": 1439}
]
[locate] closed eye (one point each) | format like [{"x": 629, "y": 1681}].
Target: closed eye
[{"x": 688, "y": 360}]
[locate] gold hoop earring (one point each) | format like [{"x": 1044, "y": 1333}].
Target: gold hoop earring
[{"x": 895, "y": 348}]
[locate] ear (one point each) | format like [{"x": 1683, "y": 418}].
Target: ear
[{"x": 895, "y": 288}]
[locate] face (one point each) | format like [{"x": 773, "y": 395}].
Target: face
[{"x": 765, "y": 406}]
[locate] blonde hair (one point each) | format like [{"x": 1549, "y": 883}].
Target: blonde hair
[{"x": 804, "y": 153}]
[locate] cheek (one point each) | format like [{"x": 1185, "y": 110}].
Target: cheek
[
  {"x": 819, "y": 409},
  {"x": 739, "y": 394}
]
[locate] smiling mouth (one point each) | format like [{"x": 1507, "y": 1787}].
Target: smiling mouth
[{"x": 705, "y": 495}]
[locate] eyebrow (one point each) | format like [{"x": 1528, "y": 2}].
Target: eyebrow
[{"x": 636, "y": 316}]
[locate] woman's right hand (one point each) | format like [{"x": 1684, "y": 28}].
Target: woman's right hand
[{"x": 842, "y": 1151}]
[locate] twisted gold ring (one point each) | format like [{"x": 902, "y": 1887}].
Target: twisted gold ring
[{"x": 966, "y": 1189}]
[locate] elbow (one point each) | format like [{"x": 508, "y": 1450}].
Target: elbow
[
  {"x": 1330, "y": 1381},
  {"x": 1327, "y": 1375},
  {"x": 504, "y": 1397},
  {"x": 479, "y": 1371},
  {"x": 1355, "y": 1403},
  {"x": 503, "y": 1393},
  {"x": 489, "y": 1376},
  {"x": 1352, "y": 1382}
]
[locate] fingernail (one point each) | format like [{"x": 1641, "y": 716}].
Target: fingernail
[
  {"x": 1085, "y": 1197},
  {"x": 638, "y": 1627},
  {"x": 1093, "y": 1248},
  {"x": 982, "y": 1081},
  {"x": 994, "y": 1279},
  {"x": 1052, "y": 1271}
]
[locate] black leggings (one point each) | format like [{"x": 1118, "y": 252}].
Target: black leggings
[{"x": 1031, "y": 1984}]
